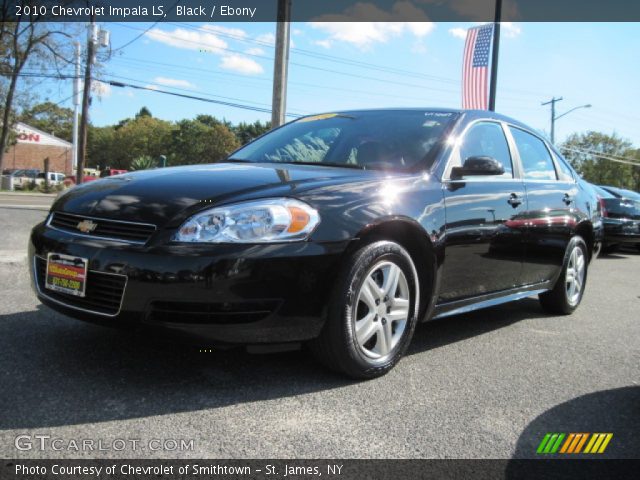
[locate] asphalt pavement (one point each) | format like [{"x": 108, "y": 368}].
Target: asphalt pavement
[
  {"x": 26, "y": 201},
  {"x": 488, "y": 384}
]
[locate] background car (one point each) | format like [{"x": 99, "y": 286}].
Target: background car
[
  {"x": 108, "y": 172},
  {"x": 25, "y": 178},
  {"x": 89, "y": 175},
  {"x": 54, "y": 178},
  {"x": 621, "y": 218}
]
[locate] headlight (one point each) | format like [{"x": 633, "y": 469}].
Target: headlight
[{"x": 259, "y": 221}]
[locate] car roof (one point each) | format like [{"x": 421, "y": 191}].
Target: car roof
[
  {"x": 621, "y": 192},
  {"x": 603, "y": 192},
  {"x": 469, "y": 114}
]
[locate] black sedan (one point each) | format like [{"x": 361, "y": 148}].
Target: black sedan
[
  {"x": 341, "y": 231},
  {"x": 621, "y": 217}
]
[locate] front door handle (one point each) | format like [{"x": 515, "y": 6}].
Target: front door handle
[
  {"x": 567, "y": 199},
  {"x": 514, "y": 200}
]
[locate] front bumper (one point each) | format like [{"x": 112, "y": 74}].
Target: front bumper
[{"x": 231, "y": 294}]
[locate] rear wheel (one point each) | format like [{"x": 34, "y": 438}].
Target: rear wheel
[
  {"x": 568, "y": 290},
  {"x": 372, "y": 314}
]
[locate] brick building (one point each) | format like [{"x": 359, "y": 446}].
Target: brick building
[{"x": 33, "y": 146}]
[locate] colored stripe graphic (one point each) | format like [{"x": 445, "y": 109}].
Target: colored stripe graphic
[{"x": 556, "y": 443}]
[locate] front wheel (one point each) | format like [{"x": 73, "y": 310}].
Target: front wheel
[
  {"x": 569, "y": 289},
  {"x": 373, "y": 312}
]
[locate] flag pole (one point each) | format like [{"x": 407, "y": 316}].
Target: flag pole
[{"x": 494, "y": 56}]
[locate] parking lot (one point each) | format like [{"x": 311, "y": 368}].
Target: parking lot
[{"x": 489, "y": 384}]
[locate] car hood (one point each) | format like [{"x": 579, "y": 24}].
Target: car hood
[{"x": 157, "y": 196}]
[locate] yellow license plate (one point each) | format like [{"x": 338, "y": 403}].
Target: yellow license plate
[{"x": 66, "y": 274}]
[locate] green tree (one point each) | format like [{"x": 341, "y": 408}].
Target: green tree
[
  {"x": 144, "y": 112},
  {"x": 197, "y": 142},
  {"x": 141, "y": 136},
  {"x": 144, "y": 162},
  {"x": 50, "y": 118},
  {"x": 101, "y": 147},
  {"x": 245, "y": 132},
  {"x": 582, "y": 150}
]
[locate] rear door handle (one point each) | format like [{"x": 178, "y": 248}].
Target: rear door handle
[
  {"x": 514, "y": 200},
  {"x": 567, "y": 199}
]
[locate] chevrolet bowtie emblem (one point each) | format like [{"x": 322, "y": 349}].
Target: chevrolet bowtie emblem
[{"x": 86, "y": 226}]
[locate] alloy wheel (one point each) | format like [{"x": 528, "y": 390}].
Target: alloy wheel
[
  {"x": 381, "y": 310},
  {"x": 574, "y": 279}
]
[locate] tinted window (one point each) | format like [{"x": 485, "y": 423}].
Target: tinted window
[
  {"x": 536, "y": 159},
  {"x": 564, "y": 171},
  {"x": 487, "y": 140},
  {"x": 395, "y": 140}
]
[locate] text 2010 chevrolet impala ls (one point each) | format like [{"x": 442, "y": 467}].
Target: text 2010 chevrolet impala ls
[{"x": 339, "y": 230}]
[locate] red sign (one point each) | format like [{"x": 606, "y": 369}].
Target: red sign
[{"x": 29, "y": 137}]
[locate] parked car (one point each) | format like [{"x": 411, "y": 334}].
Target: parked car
[
  {"x": 108, "y": 172},
  {"x": 24, "y": 178},
  {"x": 54, "y": 178},
  {"x": 88, "y": 175},
  {"x": 621, "y": 218},
  {"x": 340, "y": 230},
  {"x": 621, "y": 192}
]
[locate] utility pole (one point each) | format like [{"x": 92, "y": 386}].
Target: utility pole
[
  {"x": 281, "y": 64},
  {"x": 76, "y": 104},
  {"x": 494, "y": 56},
  {"x": 553, "y": 102},
  {"x": 84, "y": 121}
]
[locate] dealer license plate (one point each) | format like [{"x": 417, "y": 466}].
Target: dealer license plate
[{"x": 66, "y": 274}]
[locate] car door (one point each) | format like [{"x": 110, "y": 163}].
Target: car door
[
  {"x": 551, "y": 194},
  {"x": 483, "y": 251}
]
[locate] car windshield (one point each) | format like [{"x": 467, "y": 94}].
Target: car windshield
[{"x": 380, "y": 140}]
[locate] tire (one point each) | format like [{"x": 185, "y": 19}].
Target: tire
[
  {"x": 567, "y": 293},
  {"x": 358, "y": 339}
]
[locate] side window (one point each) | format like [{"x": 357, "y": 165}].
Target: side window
[
  {"x": 536, "y": 159},
  {"x": 564, "y": 172},
  {"x": 487, "y": 139}
]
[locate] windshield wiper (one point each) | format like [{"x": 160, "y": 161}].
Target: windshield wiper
[{"x": 325, "y": 164}]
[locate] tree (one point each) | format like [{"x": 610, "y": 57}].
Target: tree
[
  {"x": 579, "y": 150},
  {"x": 144, "y": 112},
  {"x": 197, "y": 142},
  {"x": 51, "y": 118},
  {"x": 245, "y": 132},
  {"x": 27, "y": 41},
  {"x": 144, "y": 162},
  {"x": 141, "y": 136},
  {"x": 101, "y": 147}
]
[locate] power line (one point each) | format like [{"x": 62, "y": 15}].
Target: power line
[
  {"x": 345, "y": 61},
  {"x": 605, "y": 157},
  {"x": 194, "y": 97},
  {"x": 202, "y": 93},
  {"x": 141, "y": 34}
]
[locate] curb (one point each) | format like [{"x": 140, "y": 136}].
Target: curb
[{"x": 29, "y": 194}]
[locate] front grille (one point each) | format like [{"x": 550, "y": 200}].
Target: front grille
[
  {"x": 227, "y": 313},
  {"x": 103, "y": 293},
  {"x": 113, "y": 229}
]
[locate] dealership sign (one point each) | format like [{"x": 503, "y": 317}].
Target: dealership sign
[{"x": 27, "y": 134}]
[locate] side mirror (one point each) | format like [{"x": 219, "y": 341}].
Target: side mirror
[{"x": 478, "y": 166}]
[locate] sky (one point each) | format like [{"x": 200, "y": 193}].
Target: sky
[{"x": 344, "y": 66}]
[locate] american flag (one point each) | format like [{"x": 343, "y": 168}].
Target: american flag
[{"x": 475, "y": 69}]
